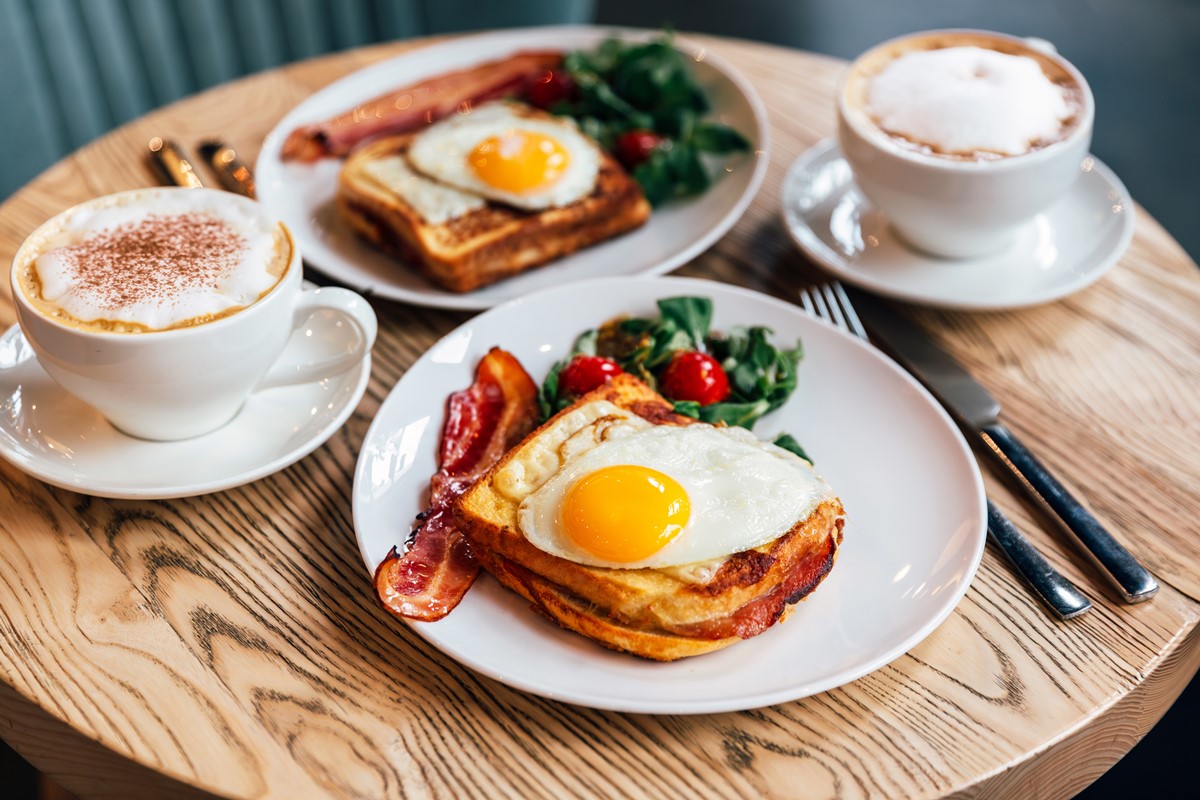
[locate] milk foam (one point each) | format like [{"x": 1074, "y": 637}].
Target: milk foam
[
  {"x": 968, "y": 100},
  {"x": 160, "y": 262}
]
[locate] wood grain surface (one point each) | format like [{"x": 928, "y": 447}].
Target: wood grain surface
[{"x": 229, "y": 644}]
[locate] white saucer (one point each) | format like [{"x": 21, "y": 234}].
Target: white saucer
[
  {"x": 59, "y": 439},
  {"x": 1063, "y": 249}
]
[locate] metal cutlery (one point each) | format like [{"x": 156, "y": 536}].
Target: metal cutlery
[
  {"x": 830, "y": 302},
  {"x": 171, "y": 164},
  {"x": 979, "y": 413},
  {"x": 229, "y": 168},
  {"x": 174, "y": 167}
]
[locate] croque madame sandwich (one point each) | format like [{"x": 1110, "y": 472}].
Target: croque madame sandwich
[
  {"x": 651, "y": 532},
  {"x": 481, "y": 196}
]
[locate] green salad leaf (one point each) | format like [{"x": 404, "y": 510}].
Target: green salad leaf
[
  {"x": 761, "y": 376},
  {"x": 789, "y": 443},
  {"x": 648, "y": 86}
]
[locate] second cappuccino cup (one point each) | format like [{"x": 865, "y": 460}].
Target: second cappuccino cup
[
  {"x": 959, "y": 137},
  {"x": 175, "y": 357}
]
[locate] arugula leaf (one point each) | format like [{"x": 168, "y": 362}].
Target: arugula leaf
[
  {"x": 693, "y": 315},
  {"x": 788, "y": 442},
  {"x": 744, "y": 379},
  {"x": 668, "y": 340},
  {"x": 761, "y": 376},
  {"x": 585, "y": 343},
  {"x": 654, "y": 176},
  {"x": 688, "y": 408},
  {"x": 548, "y": 399},
  {"x": 623, "y": 86},
  {"x": 715, "y": 137},
  {"x": 691, "y": 177},
  {"x": 741, "y": 414}
]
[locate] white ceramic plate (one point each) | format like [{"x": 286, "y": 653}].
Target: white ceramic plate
[
  {"x": 1062, "y": 250},
  {"x": 61, "y": 440},
  {"x": 302, "y": 194},
  {"x": 914, "y": 499}
]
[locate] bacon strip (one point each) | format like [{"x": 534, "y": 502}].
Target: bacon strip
[
  {"x": 483, "y": 422},
  {"x": 414, "y": 106},
  {"x": 758, "y": 615}
]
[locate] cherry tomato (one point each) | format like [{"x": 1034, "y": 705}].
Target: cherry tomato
[
  {"x": 585, "y": 373},
  {"x": 634, "y": 147},
  {"x": 550, "y": 87},
  {"x": 694, "y": 376}
]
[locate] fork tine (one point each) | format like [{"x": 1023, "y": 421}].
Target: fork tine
[
  {"x": 813, "y": 299},
  {"x": 829, "y": 301},
  {"x": 835, "y": 310},
  {"x": 851, "y": 316},
  {"x": 807, "y": 301},
  {"x": 823, "y": 310}
]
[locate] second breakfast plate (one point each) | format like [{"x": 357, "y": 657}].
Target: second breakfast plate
[
  {"x": 302, "y": 194},
  {"x": 913, "y": 495}
]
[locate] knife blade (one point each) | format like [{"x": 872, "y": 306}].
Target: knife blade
[
  {"x": 979, "y": 412},
  {"x": 233, "y": 173}
]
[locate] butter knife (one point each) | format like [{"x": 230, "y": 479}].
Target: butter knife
[
  {"x": 233, "y": 173},
  {"x": 979, "y": 412},
  {"x": 172, "y": 165}
]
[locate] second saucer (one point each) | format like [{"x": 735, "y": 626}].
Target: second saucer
[
  {"x": 1064, "y": 249},
  {"x": 58, "y": 439}
]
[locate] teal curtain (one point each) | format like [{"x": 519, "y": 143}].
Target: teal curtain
[{"x": 70, "y": 70}]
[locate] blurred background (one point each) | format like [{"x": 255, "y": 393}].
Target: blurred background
[{"x": 74, "y": 69}]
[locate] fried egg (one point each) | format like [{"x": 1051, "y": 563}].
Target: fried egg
[
  {"x": 510, "y": 154},
  {"x": 435, "y": 202},
  {"x": 609, "y": 489}
]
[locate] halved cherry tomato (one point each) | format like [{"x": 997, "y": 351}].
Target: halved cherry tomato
[
  {"x": 634, "y": 147},
  {"x": 694, "y": 376},
  {"x": 585, "y": 373},
  {"x": 550, "y": 87}
]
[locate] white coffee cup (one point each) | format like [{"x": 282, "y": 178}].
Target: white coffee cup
[
  {"x": 961, "y": 208},
  {"x": 187, "y": 381}
]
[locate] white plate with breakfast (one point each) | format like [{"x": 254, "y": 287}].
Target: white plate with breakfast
[
  {"x": 650, "y": 382},
  {"x": 1064, "y": 249},
  {"x": 59, "y": 439},
  {"x": 471, "y": 172}
]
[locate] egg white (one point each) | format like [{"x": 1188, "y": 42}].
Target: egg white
[
  {"x": 743, "y": 493},
  {"x": 435, "y": 202},
  {"x": 441, "y": 152}
]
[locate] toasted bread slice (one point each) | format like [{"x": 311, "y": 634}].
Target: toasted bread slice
[
  {"x": 656, "y": 613},
  {"x": 489, "y": 243}
]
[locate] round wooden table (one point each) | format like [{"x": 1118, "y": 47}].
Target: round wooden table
[{"x": 230, "y": 644}]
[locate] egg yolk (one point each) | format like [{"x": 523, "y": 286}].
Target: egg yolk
[
  {"x": 519, "y": 161},
  {"x": 625, "y": 513}
]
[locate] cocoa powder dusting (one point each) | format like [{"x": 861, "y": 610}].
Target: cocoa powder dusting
[{"x": 155, "y": 258}]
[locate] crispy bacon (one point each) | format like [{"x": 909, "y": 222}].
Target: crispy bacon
[
  {"x": 758, "y": 615},
  {"x": 419, "y": 104},
  {"x": 483, "y": 422}
]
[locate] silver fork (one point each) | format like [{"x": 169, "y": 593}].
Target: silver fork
[{"x": 829, "y": 301}]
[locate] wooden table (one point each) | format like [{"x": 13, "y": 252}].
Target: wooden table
[{"x": 230, "y": 644}]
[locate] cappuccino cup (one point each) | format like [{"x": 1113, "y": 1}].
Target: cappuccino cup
[
  {"x": 960, "y": 137},
  {"x": 165, "y": 308}
]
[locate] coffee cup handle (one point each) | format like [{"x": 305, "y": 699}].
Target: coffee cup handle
[{"x": 344, "y": 325}]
